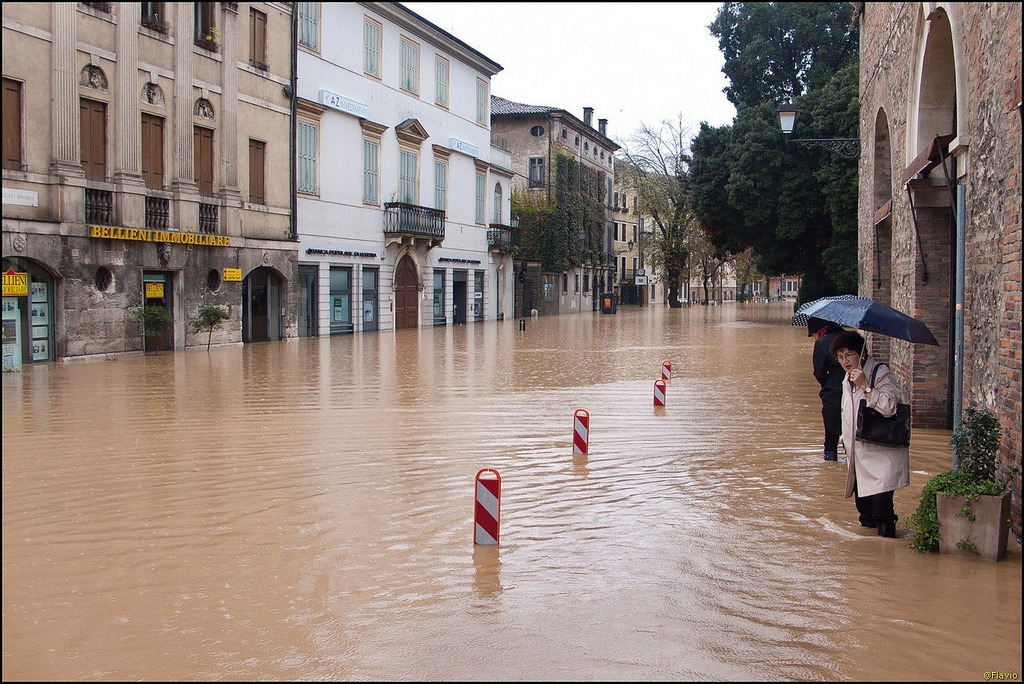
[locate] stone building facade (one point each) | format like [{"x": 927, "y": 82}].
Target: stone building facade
[
  {"x": 940, "y": 203},
  {"x": 536, "y": 136},
  {"x": 140, "y": 143},
  {"x": 402, "y": 201}
]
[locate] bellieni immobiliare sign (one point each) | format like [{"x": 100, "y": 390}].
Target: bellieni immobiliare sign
[{"x": 146, "y": 235}]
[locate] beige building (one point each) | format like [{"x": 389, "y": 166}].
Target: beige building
[
  {"x": 636, "y": 281},
  {"x": 138, "y": 140},
  {"x": 541, "y": 140}
]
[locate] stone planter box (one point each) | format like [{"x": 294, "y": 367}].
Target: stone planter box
[{"x": 988, "y": 531}]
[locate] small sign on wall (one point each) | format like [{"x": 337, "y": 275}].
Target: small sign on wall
[
  {"x": 232, "y": 275},
  {"x": 154, "y": 290}
]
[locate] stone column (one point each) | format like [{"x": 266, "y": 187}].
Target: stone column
[
  {"x": 68, "y": 202},
  {"x": 127, "y": 136},
  {"x": 227, "y": 129},
  {"x": 186, "y": 194}
]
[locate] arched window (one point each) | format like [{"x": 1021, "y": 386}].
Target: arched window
[{"x": 497, "y": 203}]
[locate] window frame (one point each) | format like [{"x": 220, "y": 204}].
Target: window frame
[
  {"x": 312, "y": 24},
  {"x": 259, "y": 197},
  {"x": 90, "y": 141},
  {"x": 314, "y": 126},
  {"x": 14, "y": 125},
  {"x": 441, "y": 184},
  {"x": 442, "y": 89},
  {"x": 482, "y": 101},
  {"x": 480, "y": 215},
  {"x": 409, "y": 71},
  {"x": 496, "y": 210},
  {"x": 533, "y": 162},
  {"x": 371, "y": 176},
  {"x": 405, "y": 182},
  {"x": 257, "y": 43},
  {"x": 205, "y": 190},
  {"x": 376, "y": 50},
  {"x": 156, "y": 156}
]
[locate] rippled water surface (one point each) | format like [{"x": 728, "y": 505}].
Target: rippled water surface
[{"x": 304, "y": 510}]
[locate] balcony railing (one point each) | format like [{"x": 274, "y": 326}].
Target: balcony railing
[
  {"x": 99, "y": 206},
  {"x": 413, "y": 220},
  {"x": 502, "y": 237},
  {"x": 157, "y": 213},
  {"x": 208, "y": 218}
]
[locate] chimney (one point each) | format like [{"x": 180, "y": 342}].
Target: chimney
[
  {"x": 588, "y": 116},
  {"x": 602, "y": 127}
]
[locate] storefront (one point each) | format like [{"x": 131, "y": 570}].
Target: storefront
[{"x": 28, "y": 308}]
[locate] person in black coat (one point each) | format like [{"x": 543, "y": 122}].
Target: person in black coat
[{"x": 829, "y": 375}]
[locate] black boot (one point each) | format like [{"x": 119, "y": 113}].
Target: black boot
[{"x": 886, "y": 529}]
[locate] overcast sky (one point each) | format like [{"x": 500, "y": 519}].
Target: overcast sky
[{"x": 632, "y": 62}]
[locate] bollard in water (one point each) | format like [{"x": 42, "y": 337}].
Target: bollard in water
[
  {"x": 659, "y": 392},
  {"x": 486, "y": 511},
  {"x": 666, "y": 370},
  {"x": 580, "y": 431},
  {"x": 522, "y": 324}
]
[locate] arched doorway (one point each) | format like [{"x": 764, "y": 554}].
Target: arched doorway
[
  {"x": 28, "y": 313},
  {"x": 881, "y": 266},
  {"x": 933, "y": 214},
  {"x": 261, "y": 306},
  {"x": 407, "y": 294}
]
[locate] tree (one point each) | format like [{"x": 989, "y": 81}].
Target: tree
[
  {"x": 794, "y": 206},
  {"x": 210, "y": 318},
  {"x": 656, "y": 168}
]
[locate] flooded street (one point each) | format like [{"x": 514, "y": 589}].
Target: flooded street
[{"x": 304, "y": 511}]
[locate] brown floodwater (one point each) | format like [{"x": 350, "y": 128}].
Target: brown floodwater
[{"x": 304, "y": 511}]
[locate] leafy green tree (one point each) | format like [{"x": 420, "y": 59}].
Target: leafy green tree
[
  {"x": 657, "y": 168},
  {"x": 795, "y": 206},
  {"x": 210, "y": 318}
]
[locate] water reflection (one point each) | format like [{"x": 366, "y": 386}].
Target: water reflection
[{"x": 304, "y": 511}]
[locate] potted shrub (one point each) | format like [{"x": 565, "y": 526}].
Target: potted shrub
[
  {"x": 156, "y": 322},
  {"x": 966, "y": 510}
]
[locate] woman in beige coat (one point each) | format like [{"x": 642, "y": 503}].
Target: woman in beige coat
[{"x": 873, "y": 471}]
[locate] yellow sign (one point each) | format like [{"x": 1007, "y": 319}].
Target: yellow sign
[
  {"x": 232, "y": 275},
  {"x": 15, "y": 284},
  {"x": 154, "y": 290},
  {"x": 145, "y": 235}
]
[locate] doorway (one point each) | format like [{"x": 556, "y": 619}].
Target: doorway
[
  {"x": 407, "y": 294},
  {"x": 158, "y": 296},
  {"x": 459, "y": 287},
  {"x": 308, "y": 326},
  {"x": 261, "y": 306}
]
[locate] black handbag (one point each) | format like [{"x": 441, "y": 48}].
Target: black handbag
[{"x": 875, "y": 428}]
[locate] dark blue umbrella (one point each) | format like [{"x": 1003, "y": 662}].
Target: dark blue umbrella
[{"x": 868, "y": 315}]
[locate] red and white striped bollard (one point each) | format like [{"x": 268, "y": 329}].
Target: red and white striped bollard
[
  {"x": 487, "y": 509},
  {"x": 580, "y": 431},
  {"x": 659, "y": 392},
  {"x": 666, "y": 370}
]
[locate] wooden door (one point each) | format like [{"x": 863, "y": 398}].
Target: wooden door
[{"x": 407, "y": 295}]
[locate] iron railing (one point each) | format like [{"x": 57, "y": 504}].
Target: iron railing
[
  {"x": 157, "y": 213},
  {"x": 99, "y": 206},
  {"x": 412, "y": 219},
  {"x": 502, "y": 237},
  {"x": 208, "y": 218}
]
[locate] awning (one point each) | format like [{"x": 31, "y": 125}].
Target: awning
[
  {"x": 928, "y": 159},
  {"x": 884, "y": 212}
]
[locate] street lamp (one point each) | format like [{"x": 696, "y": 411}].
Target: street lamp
[
  {"x": 848, "y": 148},
  {"x": 513, "y": 221}
]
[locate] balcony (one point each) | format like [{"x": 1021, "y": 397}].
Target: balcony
[
  {"x": 99, "y": 206},
  {"x": 411, "y": 224},
  {"x": 157, "y": 213},
  {"x": 208, "y": 219},
  {"x": 502, "y": 238}
]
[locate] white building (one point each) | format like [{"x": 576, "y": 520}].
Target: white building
[{"x": 400, "y": 195}]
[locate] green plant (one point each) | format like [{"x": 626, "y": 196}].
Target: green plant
[
  {"x": 210, "y": 318},
  {"x": 976, "y": 444},
  {"x": 156, "y": 319}
]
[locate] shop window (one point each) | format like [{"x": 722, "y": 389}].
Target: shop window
[{"x": 341, "y": 300}]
